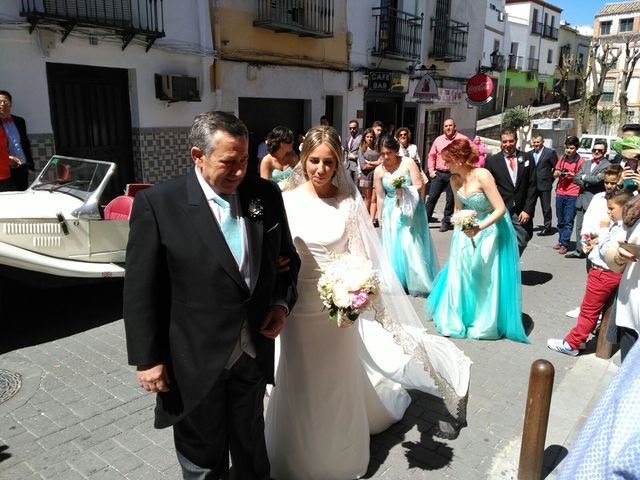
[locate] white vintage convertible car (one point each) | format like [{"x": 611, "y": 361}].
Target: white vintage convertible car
[{"x": 58, "y": 227}]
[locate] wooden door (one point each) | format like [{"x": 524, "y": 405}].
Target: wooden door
[{"x": 91, "y": 117}]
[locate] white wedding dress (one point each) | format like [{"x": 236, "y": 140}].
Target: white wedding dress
[{"x": 337, "y": 386}]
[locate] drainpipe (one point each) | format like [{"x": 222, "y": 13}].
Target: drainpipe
[{"x": 215, "y": 66}]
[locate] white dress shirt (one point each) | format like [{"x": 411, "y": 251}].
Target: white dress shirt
[{"x": 244, "y": 343}]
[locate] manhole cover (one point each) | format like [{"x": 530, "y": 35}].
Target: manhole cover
[{"x": 10, "y": 383}]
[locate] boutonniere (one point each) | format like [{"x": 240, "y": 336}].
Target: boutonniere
[
  {"x": 255, "y": 209},
  {"x": 526, "y": 164},
  {"x": 520, "y": 159}
]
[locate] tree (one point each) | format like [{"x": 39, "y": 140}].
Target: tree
[
  {"x": 518, "y": 120},
  {"x": 564, "y": 69},
  {"x": 631, "y": 57},
  {"x": 603, "y": 58}
]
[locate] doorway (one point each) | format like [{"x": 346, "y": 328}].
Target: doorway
[
  {"x": 387, "y": 109},
  {"x": 260, "y": 115},
  {"x": 433, "y": 120},
  {"x": 91, "y": 117}
]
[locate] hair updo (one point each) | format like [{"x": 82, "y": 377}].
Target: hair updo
[{"x": 460, "y": 150}]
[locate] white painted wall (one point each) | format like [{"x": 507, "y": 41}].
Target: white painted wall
[{"x": 186, "y": 50}]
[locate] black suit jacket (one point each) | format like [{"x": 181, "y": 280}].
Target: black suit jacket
[
  {"x": 21, "y": 126},
  {"x": 522, "y": 196},
  {"x": 544, "y": 169},
  {"x": 185, "y": 299}
]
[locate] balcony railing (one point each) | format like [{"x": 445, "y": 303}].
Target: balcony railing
[
  {"x": 550, "y": 32},
  {"x": 497, "y": 62},
  {"x": 515, "y": 62},
  {"x": 306, "y": 18},
  {"x": 537, "y": 28},
  {"x": 398, "y": 34},
  {"x": 127, "y": 18},
  {"x": 449, "y": 40},
  {"x": 532, "y": 64}
]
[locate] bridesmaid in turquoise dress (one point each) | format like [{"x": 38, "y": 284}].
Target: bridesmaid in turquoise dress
[
  {"x": 478, "y": 293},
  {"x": 405, "y": 230},
  {"x": 278, "y": 163}
]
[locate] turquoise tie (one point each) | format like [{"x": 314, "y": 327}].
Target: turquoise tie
[{"x": 230, "y": 226}]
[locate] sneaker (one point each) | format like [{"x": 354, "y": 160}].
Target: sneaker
[
  {"x": 562, "y": 250},
  {"x": 573, "y": 313},
  {"x": 561, "y": 345},
  {"x": 575, "y": 254}
]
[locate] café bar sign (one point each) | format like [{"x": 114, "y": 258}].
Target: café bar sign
[{"x": 380, "y": 81}]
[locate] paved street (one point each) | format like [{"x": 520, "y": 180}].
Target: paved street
[{"x": 79, "y": 413}]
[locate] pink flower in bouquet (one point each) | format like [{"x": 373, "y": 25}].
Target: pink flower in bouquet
[{"x": 359, "y": 299}]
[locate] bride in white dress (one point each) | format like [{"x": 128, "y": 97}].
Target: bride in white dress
[{"x": 337, "y": 386}]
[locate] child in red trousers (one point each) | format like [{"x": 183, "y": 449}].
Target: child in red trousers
[{"x": 601, "y": 282}]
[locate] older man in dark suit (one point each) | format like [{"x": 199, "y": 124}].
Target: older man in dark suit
[
  {"x": 544, "y": 159},
  {"x": 204, "y": 300},
  {"x": 15, "y": 129},
  {"x": 515, "y": 178}
]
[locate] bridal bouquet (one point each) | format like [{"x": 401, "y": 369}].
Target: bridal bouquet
[
  {"x": 465, "y": 219},
  {"x": 397, "y": 181},
  {"x": 346, "y": 286}
]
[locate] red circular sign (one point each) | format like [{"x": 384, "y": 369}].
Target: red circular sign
[{"x": 479, "y": 87}]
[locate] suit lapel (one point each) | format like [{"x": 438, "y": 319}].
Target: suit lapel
[
  {"x": 255, "y": 231},
  {"x": 209, "y": 230},
  {"x": 519, "y": 169}
]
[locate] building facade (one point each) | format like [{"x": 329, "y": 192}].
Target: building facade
[
  {"x": 122, "y": 81},
  {"x": 614, "y": 23},
  {"x": 532, "y": 52},
  {"x": 88, "y": 76}
]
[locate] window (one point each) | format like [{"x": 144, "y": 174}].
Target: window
[
  {"x": 496, "y": 45},
  {"x": 626, "y": 25},
  {"x": 605, "y": 28},
  {"x": 550, "y": 55},
  {"x": 608, "y": 89}
]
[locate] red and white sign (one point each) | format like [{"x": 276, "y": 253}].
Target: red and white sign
[
  {"x": 426, "y": 89},
  {"x": 479, "y": 88}
]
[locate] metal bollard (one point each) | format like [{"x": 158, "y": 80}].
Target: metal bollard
[{"x": 536, "y": 418}]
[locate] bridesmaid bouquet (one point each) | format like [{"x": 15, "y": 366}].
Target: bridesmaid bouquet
[
  {"x": 397, "y": 181},
  {"x": 346, "y": 286},
  {"x": 465, "y": 219}
]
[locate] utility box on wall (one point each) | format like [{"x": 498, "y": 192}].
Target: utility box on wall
[{"x": 175, "y": 88}]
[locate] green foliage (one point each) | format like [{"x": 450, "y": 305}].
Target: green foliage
[
  {"x": 606, "y": 115},
  {"x": 515, "y": 118}
]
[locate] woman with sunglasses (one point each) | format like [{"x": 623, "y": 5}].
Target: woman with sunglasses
[{"x": 408, "y": 149}]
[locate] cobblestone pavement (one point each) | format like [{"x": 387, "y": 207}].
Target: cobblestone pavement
[{"x": 79, "y": 413}]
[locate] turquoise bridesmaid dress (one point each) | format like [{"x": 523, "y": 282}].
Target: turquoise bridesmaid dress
[
  {"x": 407, "y": 243},
  {"x": 478, "y": 293},
  {"x": 280, "y": 175}
]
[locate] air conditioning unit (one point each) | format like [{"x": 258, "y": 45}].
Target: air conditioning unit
[
  {"x": 175, "y": 88},
  {"x": 501, "y": 16}
]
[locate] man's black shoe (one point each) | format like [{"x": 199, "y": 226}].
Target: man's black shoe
[
  {"x": 446, "y": 227},
  {"x": 433, "y": 220},
  {"x": 545, "y": 232},
  {"x": 575, "y": 254}
]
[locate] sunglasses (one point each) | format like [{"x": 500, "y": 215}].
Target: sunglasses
[
  {"x": 403, "y": 135},
  {"x": 597, "y": 150}
]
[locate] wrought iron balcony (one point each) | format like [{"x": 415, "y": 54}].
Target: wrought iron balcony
[
  {"x": 449, "y": 40},
  {"x": 550, "y": 32},
  {"x": 537, "y": 28},
  {"x": 127, "y": 18},
  {"x": 515, "y": 62},
  {"x": 497, "y": 62},
  {"x": 532, "y": 64},
  {"x": 398, "y": 34},
  {"x": 306, "y": 18}
]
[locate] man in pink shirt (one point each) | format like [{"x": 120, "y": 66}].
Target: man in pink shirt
[{"x": 440, "y": 174}]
